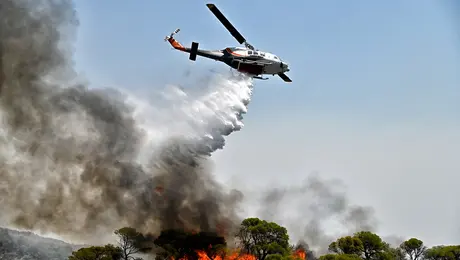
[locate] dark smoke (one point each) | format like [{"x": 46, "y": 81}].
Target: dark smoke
[
  {"x": 316, "y": 202},
  {"x": 69, "y": 155}
]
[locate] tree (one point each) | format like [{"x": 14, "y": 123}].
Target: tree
[
  {"x": 132, "y": 242},
  {"x": 261, "y": 238},
  {"x": 108, "y": 252},
  {"x": 414, "y": 248},
  {"x": 372, "y": 244},
  {"x": 281, "y": 257},
  {"x": 347, "y": 245},
  {"x": 339, "y": 257},
  {"x": 443, "y": 253},
  {"x": 390, "y": 253},
  {"x": 363, "y": 244}
]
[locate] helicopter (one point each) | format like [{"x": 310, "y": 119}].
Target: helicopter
[{"x": 247, "y": 60}]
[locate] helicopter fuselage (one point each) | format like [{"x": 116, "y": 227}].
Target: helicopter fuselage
[{"x": 244, "y": 59}]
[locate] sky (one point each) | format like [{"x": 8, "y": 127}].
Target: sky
[{"x": 374, "y": 100}]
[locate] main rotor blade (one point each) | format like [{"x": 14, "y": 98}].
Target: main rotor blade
[
  {"x": 226, "y": 23},
  {"x": 284, "y": 77}
]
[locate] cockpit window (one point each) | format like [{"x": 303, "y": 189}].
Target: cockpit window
[
  {"x": 256, "y": 53},
  {"x": 276, "y": 58},
  {"x": 250, "y": 52}
]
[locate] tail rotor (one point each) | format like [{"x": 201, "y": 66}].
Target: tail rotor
[{"x": 172, "y": 34}]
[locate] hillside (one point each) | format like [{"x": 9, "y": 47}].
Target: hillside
[{"x": 28, "y": 246}]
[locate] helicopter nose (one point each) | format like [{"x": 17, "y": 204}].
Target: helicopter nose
[{"x": 285, "y": 66}]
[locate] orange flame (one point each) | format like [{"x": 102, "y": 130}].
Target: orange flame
[
  {"x": 235, "y": 255},
  {"x": 300, "y": 253},
  {"x": 238, "y": 256}
]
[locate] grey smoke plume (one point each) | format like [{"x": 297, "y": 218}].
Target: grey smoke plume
[
  {"x": 316, "y": 202},
  {"x": 77, "y": 162}
]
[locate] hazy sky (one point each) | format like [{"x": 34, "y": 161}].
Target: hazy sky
[{"x": 374, "y": 102}]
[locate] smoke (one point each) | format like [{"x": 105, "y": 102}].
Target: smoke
[
  {"x": 81, "y": 162},
  {"x": 78, "y": 162},
  {"x": 314, "y": 204}
]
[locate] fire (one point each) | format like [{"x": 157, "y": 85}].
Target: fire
[
  {"x": 300, "y": 254},
  {"x": 202, "y": 255},
  {"x": 233, "y": 256}
]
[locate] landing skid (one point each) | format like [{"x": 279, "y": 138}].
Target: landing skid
[{"x": 258, "y": 77}]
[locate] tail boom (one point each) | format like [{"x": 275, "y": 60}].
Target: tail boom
[{"x": 194, "y": 51}]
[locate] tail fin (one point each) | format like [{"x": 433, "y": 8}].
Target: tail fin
[
  {"x": 193, "y": 51},
  {"x": 173, "y": 41}
]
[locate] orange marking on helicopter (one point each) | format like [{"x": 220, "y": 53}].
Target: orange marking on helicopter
[
  {"x": 176, "y": 44},
  {"x": 234, "y": 53}
]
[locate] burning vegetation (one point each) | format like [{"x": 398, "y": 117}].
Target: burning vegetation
[{"x": 255, "y": 239}]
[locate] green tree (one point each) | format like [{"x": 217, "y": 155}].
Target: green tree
[
  {"x": 339, "y": 257},
  {"x": 262, "y": 238},
  {"x": 372, "y": 244},
  {"x": 108, "y": 252},
  {"x": 281, "y": 257},
  {"x": 347, "y": 245},
  {"x": 132, "y": 242},
  {"x": 443, "y": 253},
  {"x": 391, "y": 253},
  {"x": 414, "y": 248}
]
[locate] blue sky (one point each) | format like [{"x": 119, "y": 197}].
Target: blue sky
[
  {"x": 382, "y": 55},
  {"x": 374, "y": 102}
]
